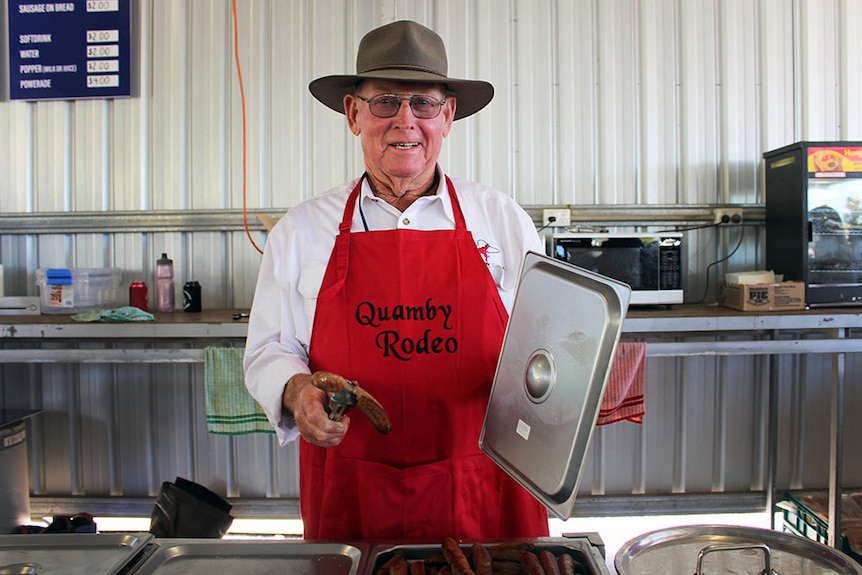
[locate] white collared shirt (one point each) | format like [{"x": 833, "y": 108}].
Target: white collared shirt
[{"x": 297, "y": 252}]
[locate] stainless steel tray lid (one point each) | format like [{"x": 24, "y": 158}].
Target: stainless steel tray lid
[
  {"x": 556, "y": 357},
  {"x": 675, "y": 551}
]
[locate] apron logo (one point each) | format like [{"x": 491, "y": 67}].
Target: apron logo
[
  {"x": 390, "y": 341},
  {"x": 485, "y": 249}
]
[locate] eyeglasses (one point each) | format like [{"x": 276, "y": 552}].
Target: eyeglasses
[{"x": 387, "y": 105}]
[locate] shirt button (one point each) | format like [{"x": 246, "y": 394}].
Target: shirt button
[{"x": 406, "y": 221}]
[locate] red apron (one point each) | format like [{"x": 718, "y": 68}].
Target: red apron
[{"x": 415, "y": 318}]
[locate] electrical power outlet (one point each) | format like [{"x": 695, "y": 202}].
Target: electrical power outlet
[
  {"x": 561, "y": 217},
  {"x": 727, "y": 216}
]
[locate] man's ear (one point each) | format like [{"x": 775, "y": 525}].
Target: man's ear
[
  {"x": 351, "y": 109},
  {"x": 449, "y": 114}
]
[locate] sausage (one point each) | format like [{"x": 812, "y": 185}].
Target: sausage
[
  {"x": 505, "y": 554},
  {"x": 509, "y": 551},
  {"x": 566, "y": 564},
  {"x": 458, "y": 563},
  {"x": 435, "y": 560},
  {"x": 549, "y": 563},
  {"x": 530, "y": 563},
  {"x": 481, "y": 559},
  {"x": 384, "y": 569},
  {"x": 506, "y": 567},
  {"x": 520, "y": 545},
  {"x": 332, "y": 383},
  {"x": 398, "y": 567}
]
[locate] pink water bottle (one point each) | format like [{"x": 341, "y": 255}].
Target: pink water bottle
[{"x": 165, "y": 296}]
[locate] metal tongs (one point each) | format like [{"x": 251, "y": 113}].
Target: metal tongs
[{"x": 341, "y": 402}]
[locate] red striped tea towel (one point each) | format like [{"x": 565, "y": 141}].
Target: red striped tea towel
[{"x": 624, "y": 394}]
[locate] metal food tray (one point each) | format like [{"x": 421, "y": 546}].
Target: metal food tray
[
  {"x": 556, "y": 359},
  {"x": 584, "y": 553},
  {"x": 64, "y": 553},
  {"x": 270, "y": 557}
]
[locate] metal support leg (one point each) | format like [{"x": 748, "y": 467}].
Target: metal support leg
[
  {"x": 836, "y": 444},
  {"x": 772, "y": 438}
]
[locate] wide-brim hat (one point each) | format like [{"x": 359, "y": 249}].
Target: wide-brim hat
[{"x": 403, "y": 51}]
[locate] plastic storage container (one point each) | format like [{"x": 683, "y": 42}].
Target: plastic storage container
[{"x": 76, "y": 290}]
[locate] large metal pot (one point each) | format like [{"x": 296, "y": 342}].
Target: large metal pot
[{"x": 720, "y": 549}]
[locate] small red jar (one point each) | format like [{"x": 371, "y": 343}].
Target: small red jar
[{"x": 138, "y": 295}]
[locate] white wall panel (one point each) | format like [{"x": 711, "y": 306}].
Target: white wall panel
[
  {"x": 576, "y": 128},
  {"x": 616, "y": 75},
  {"x": 819, "y": 57},
  {"x": 210, "y": 78},
  {"x": 850, "y": 13},
  {"x": 699, "y": 100},
  {"x": 533, "y": 111},
  {"x": 778, "y": 75},
  {"x": 658, "y": 95},
  {"x": 739, "y": 110},
  {"x": 170, "y": 104},
  {"x": 491, "y": 133}
]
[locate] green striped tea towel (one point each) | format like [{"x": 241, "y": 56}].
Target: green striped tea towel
[{"x": 229, "y": 407}]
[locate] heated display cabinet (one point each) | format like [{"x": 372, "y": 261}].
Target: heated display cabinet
[{"x": 814, "y": 219}]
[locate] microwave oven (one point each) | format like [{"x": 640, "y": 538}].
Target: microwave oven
[{"x": 651, "y": 263}]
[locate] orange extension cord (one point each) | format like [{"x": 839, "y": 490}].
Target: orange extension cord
[{"x": 244, "y": 145}]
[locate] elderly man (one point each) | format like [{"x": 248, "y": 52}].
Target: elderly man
[{"x": 401, "y": 281}]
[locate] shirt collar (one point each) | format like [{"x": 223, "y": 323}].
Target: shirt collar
[{"x": 442, "y": 195}]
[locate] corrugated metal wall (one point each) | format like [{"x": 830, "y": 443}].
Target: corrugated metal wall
[{"x": 666, "y": 103}]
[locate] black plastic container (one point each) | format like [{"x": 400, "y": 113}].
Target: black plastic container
[{"x": 192, "y": 297}]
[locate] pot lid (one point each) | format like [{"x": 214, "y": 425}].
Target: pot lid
[
  {"x": 556, "y": 357},
  {"x": 729, "y": 549}
]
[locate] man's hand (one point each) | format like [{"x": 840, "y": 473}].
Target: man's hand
[{"x": 307, "y": 405}]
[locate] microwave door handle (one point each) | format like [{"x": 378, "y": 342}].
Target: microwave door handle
[{"x": 810, "y": 232}]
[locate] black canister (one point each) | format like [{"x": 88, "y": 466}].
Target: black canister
[{"x": 192, "y": 297}]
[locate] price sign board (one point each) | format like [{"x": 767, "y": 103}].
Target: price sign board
[{"x": 67, "y": 50}]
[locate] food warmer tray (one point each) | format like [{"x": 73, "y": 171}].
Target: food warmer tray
[
  {"x": 63, "y": 553},
  {"x": 269, "y": 557},
  {"x": 583, "y": 549}
]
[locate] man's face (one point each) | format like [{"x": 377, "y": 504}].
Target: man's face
[{"x": 402, "y": 147}]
